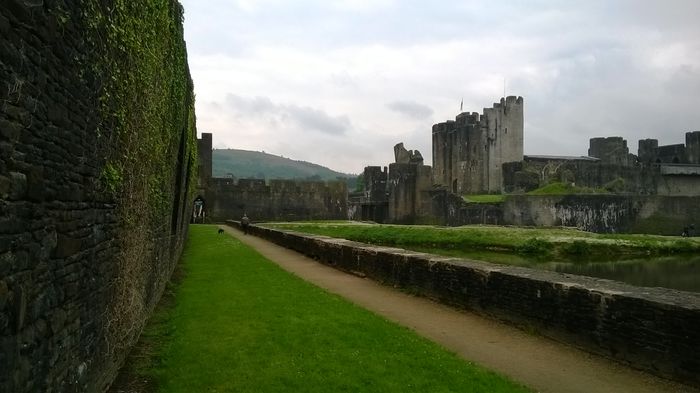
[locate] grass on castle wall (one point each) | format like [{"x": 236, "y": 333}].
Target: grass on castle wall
[
  {"x": 240, "y": 323},
  {"x": 523, "y": 241},
  {"x": 558, "y": 188},
  {"x": 485, "y": 198}
]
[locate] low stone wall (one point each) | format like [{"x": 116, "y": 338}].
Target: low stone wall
[
  {"x": 653, "y": 329},
  {"x": 664, "y": 215}
]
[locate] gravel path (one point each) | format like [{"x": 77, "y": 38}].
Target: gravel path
[{"x": 542, "y": 364}]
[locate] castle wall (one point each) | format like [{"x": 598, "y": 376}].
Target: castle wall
[
  {"x": 409, "y": 187},
  {"x": 451, "y": 210},
  {"x": 664, "y": 215},
  {"x": 674, "y": 154},
  {"x": 660, "y": 179},
  {"x": 372, "y": 204},
  {"x": 276, "y": 200},
  {"x": 80, "y": 229}
]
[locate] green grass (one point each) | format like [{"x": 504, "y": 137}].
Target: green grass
[
  {"x": 486, "y": 198},
  {"x": 557, "y": 188},
  {"x": 530, "y": 242},
  {"x": 240, "y": 323}
]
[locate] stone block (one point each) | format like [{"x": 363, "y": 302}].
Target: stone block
[
  {"x": 4, "y": 294},
  {"x": 66, "y": 246},
  {"x": 10, "y": 130},
  {"x": 4, "y": 24},
  {"x": 57, "y": 320},
  {"x": 18, "y": 300},
  {"x": 18, "y": 186},
  {"x": 5, "y": 187},
  {"x": 35, "y": 184}
]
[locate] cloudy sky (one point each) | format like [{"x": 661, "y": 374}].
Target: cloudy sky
[{"x": 339, "y": 82}]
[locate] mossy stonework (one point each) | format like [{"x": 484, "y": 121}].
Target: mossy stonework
[{"x": 97, "y": 171}]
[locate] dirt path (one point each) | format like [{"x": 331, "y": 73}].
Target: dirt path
[{"x": 540, "y": 363}]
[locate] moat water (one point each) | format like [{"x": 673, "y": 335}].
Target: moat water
[
  {"x": 678, "y": 272},
  {"x": 682, "y": 273}
]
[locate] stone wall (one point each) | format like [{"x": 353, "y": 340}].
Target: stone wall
[
  {"x": 372, "y": 204},
  {"x": 275, "y": 200},
  {"x": 653, "y": 329},
  {"x": 663, "y": 215},
  {"x": 602, "y": 213},
  {"x": 408, "y": 189},
  {"x": 90, "y": 225},
  {"x": 660, "y": 179}
]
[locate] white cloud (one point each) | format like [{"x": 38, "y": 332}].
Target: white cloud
[
  {"x": 411, "y": 109},
  {"x": 339, "y": 83}
]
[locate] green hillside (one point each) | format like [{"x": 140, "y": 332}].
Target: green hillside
[{"x": 255, "y": 164}]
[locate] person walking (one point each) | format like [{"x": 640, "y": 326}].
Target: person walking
[{"x": 245, "y": 223}]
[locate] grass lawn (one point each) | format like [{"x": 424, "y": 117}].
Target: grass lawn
[
  {"x": 485, "y": 198},
  {"x": 523, "y": 241},
  {"x": 239, "y": 323}
]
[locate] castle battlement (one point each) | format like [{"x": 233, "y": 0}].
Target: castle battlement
[{"x": 466, "y": 118}]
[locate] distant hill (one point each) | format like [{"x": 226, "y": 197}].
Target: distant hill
[{"x": 255, "y": 164}]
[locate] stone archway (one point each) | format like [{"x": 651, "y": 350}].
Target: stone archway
[{"x": 199, "y": 211}]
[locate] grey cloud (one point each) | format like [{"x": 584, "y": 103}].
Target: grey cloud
[
  {"x": 411, "y": 109},
  {"x": 306, "y": 118},
  {"x": 318, "y": 120},
  {"x": 685, "y": 79}
]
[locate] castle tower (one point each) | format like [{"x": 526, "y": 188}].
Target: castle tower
[
  {"x": 503, "y": 127},
  {"x": 647, "y": 151},
  {"x": 692, "y": 147},
  {"x": 442, "y": 152},
  {"x": 612, "y": 150},
  {"x": 468, "y": 153}
]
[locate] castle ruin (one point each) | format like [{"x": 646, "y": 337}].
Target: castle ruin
[{"x": 483, "y": 154}]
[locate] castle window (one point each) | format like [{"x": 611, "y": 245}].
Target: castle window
[{"x": 506, "y": 130}]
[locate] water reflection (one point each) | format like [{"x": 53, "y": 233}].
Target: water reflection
[{"x": 681, "y": 272}]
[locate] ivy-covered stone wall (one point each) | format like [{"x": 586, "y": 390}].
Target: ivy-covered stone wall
[{"x": 97, "y": 165}]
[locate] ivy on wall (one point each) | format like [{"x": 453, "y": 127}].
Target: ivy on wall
[{"x": 146, "y": 106}]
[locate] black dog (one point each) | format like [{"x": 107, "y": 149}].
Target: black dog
[{"x": 221, "y": 231}]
